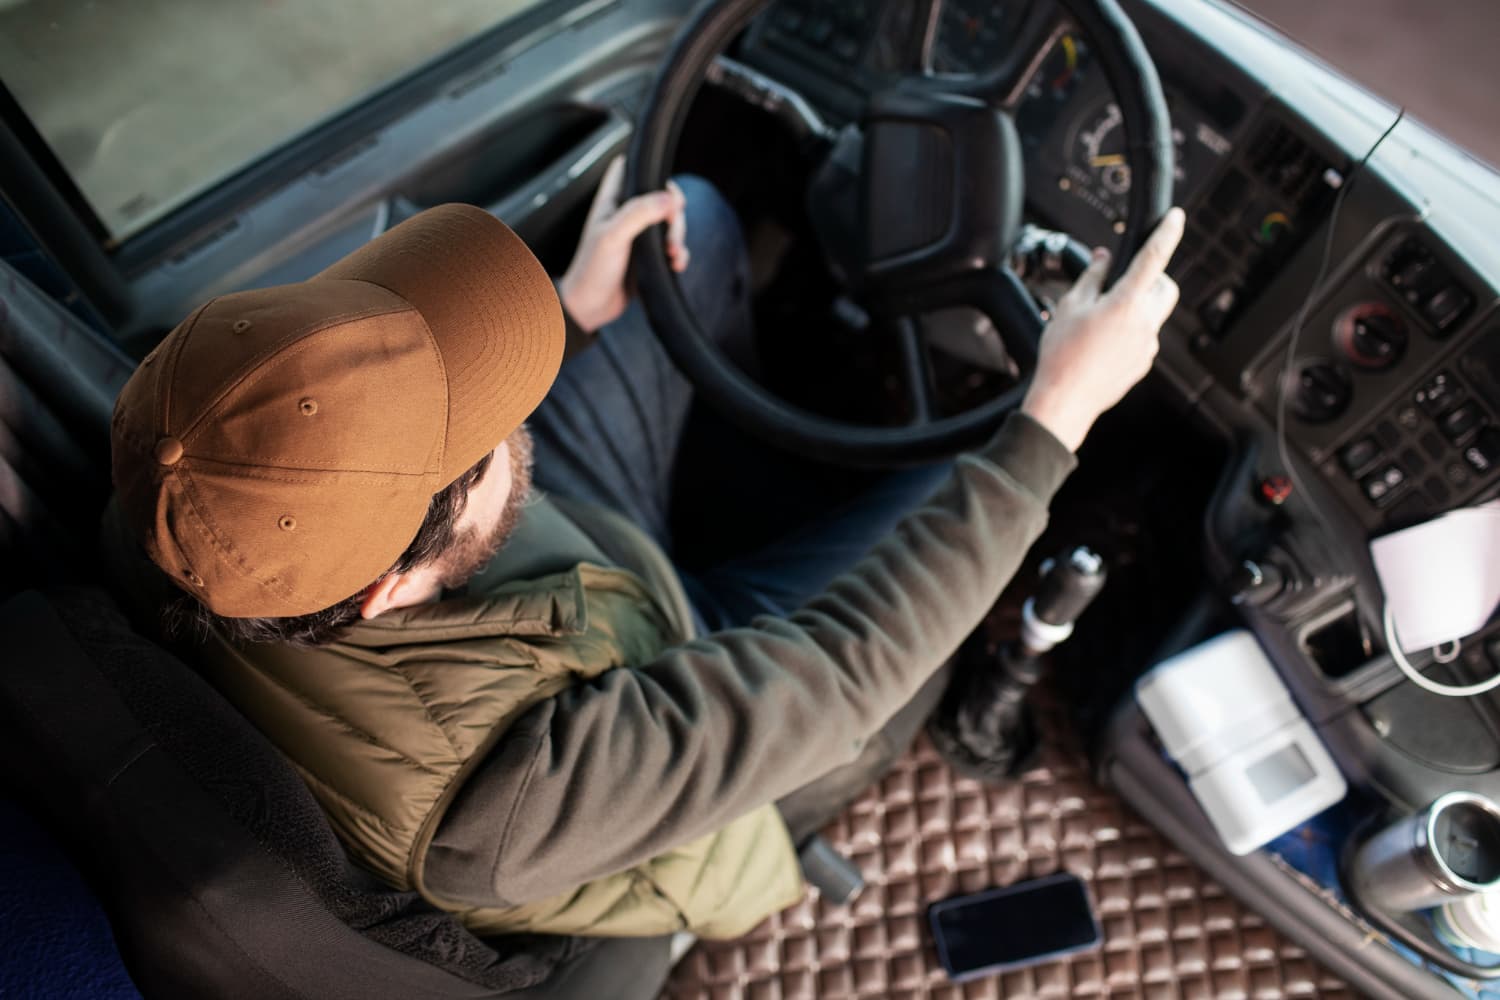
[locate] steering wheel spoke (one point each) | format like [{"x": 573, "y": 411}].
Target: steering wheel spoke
[
  {"x": 917, "y": 376},
  {"x": 998, "y": 292}
]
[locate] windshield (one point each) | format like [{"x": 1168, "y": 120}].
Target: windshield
[{"x": 151, "y": 102}]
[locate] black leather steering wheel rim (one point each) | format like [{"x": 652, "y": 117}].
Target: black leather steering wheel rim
[{"x": 1127, "y": 67}]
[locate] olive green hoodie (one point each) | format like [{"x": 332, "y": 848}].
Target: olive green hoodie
[{"x": 554, "y": 751}]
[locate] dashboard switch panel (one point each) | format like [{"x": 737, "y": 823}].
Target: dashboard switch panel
[
  {"x": 1484, "y": 452},
  {"x": 1457, "y": 423},
  {"x": 1427, "y": 286},
  {"x": 1381, "y": 487},
  {"x": 1358, "y": 457},
  {"x": 1438, "y": 394}
]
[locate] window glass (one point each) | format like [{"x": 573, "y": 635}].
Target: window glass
[{"x": 150, "y": 102}]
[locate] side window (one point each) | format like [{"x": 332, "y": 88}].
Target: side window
[{"x": 147, "y": 104}]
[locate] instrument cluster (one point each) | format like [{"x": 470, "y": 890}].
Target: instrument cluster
[{"x": 1074, "y": 143}]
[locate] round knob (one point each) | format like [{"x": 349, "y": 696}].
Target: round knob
[
  {"x": 1320, "y": 393},
  {"x": 1255, "y": 583},
  {"x": 1371, "y": 336}
]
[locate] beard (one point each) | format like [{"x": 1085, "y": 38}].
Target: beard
[{"x": 473, "y": 548}]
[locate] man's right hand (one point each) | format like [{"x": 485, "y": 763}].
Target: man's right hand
[{"x": 1099, "y": 345}]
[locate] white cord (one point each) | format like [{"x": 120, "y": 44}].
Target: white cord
[{"x": 1425, "y": 683}]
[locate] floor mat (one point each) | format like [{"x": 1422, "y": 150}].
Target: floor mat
[{"x": 925, "y": 833}]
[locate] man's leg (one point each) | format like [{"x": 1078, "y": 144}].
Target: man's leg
[
  {"x": 778, "y": 578},
  {"x": 608, "y": 432}
]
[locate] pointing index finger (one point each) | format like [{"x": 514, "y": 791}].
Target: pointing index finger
[{"x": 1151, "y": 261}]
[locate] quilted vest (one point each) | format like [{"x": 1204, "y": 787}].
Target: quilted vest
[{"x": 385, "y": 724}]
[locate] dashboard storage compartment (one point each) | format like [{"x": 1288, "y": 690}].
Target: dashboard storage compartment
[{"x": 1337, "y": 645}]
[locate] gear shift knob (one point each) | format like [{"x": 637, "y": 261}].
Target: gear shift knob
[{"x": 1069, "y": 585}]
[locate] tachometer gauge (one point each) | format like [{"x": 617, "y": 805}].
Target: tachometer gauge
[
  {"x": 1058, "y": 76},
  {"x": 1097, "y": 170},
  {"x": 972, "y": 35},
  {"x": 1050, "y": 89}
]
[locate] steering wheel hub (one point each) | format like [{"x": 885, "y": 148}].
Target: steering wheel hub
[{"x": 942, "y": 187}]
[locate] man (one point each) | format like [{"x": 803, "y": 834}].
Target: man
[{"x": 571, "y": 736}]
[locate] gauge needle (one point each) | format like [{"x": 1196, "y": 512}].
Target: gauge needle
[{"x": 1112, "y": 160}]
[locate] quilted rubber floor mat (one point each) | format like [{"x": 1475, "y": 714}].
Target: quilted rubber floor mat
[{"x": 925, "y": 833}]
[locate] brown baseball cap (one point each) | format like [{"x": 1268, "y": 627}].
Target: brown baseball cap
[{"x": 277, "y": 452}]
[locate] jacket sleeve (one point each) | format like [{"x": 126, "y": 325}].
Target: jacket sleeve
[{"x": 619, "y": 769}]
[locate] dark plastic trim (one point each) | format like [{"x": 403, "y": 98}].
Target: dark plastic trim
[{"x": 55, "y": 213}]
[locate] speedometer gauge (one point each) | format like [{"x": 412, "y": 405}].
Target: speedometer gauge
[
  {"x": 1097, "y": 169},
  {"x": 972, "y": 35}
]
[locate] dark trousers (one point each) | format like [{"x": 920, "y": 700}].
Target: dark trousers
[{"x": 610, "y": 433}]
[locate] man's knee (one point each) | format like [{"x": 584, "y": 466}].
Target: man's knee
[{"x": 716, "y": 282}]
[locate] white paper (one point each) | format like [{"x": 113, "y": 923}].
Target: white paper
[{"x": 1441, "y": 578}]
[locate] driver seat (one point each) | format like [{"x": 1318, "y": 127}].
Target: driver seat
[{"x": 217, "y": 869}]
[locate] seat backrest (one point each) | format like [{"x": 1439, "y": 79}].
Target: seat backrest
[
  {"x": 219, "y": 872},
  {"x": 58, "y": 382},
  {"x": 221, "y": 875}
]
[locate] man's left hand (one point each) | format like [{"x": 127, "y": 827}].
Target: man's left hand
[{"x": 593, "y": 288}]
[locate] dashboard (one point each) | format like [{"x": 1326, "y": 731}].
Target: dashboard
[{"x": 1339, "y": 322}]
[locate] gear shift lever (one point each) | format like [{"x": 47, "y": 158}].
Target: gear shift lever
[{"x": 984, "y": 726}]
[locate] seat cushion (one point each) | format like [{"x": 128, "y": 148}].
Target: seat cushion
[
  {"x": 221, "y": 874},
  {"x": 57, "y": 940}
]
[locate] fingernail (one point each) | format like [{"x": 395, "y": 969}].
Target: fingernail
[{"x": 1100, "y": 254}]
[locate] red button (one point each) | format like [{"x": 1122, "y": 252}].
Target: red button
[{"x": 1275, "y": 490}]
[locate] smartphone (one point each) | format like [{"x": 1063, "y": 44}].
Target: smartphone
[{"x": 1016, "y": 926}]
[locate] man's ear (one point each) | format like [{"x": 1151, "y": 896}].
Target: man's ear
[{"x": 397, "y": 590}]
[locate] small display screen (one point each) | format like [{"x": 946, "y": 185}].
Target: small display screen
[
  {"x": 1017, "y": 925},
  {"x": 1280, "y": 774}
]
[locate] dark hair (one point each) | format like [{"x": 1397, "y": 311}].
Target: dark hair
[{"x": 321, "y": 627}]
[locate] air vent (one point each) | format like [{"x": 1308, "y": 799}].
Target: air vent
[
  {"x": 1256, "y": 214},
  {"x": 1286, "y": 166}
]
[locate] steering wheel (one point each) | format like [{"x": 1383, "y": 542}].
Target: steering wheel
[{"x": 932, "y": 174}]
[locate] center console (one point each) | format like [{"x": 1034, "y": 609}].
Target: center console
[{"x": 1339, "y": 324}]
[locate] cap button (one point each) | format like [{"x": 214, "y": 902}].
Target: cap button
[{"x": 168, "y": 451}]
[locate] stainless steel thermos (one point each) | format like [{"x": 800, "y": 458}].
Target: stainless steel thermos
[{"x": 1448, "y": 851}]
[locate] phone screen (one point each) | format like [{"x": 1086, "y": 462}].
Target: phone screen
[{"x": 1018, "y": 925}]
